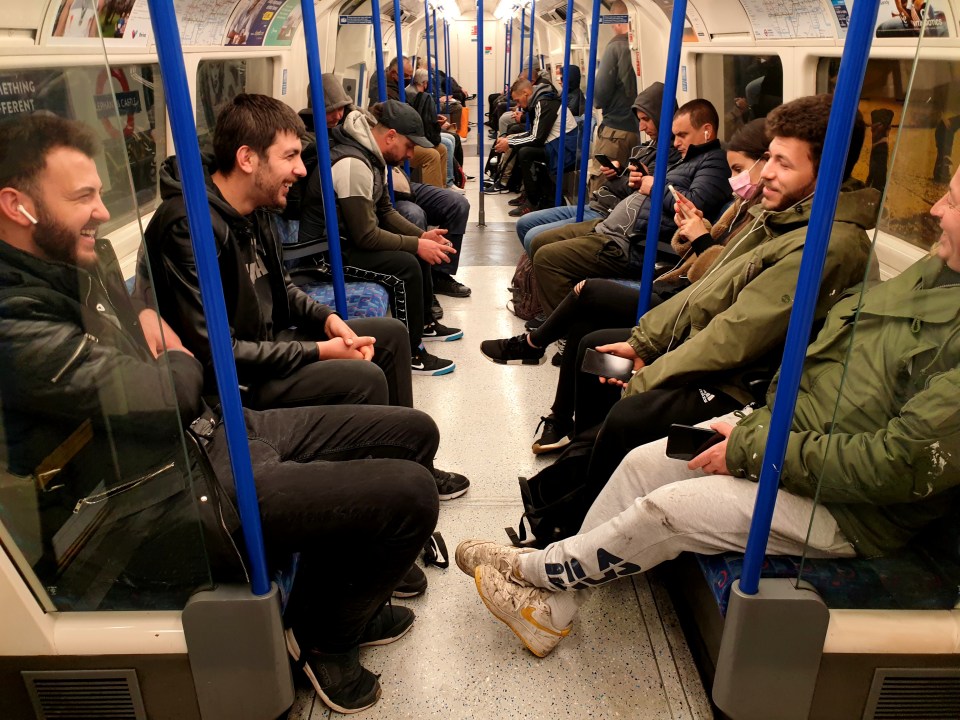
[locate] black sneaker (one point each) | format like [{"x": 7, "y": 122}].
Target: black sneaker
[
  {"x": 414, "y": 583},
  {"x": 517, "y": 201},
  {"x": 423, "y": 363},
  {"x": 450, "y": 485},
  {"x": 512, "y": 351},
  {"x": 536, "y": 322},
  {"x": 339, "y": 679},
  {"x": 520, "y": 210},
  {"x": 444, "y": 284},
  {"x": 434, "y": 331},
  {"x": 555, "y": 436},
  {"x": 435, "y": 309},
  {"x": 390, "y": 624}
]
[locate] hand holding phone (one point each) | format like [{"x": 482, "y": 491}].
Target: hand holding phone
[
  {"x": 685, "y": 442},
  {"x": 607, "y": 162},
  {"x": 681, "y": 201},
  {"x": 607, "y": 365}
]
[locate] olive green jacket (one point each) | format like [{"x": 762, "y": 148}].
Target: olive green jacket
[
  {"x": 732, "y": 323},
  {"x": 882, "y": 443}
]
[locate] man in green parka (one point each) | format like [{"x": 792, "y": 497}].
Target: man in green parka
[{"x": 876, "y": 432}]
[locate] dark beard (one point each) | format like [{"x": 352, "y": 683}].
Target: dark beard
[
  {"x": 56, "y": 241},
  {"x": 271, "y": 195}
]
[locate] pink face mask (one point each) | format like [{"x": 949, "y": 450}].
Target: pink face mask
[{"x": 741, "y": 183}]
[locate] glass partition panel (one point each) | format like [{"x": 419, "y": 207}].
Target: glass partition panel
[
  {"x": 103, "y": 497},
  {"x": 741, "y": 87},
  {"x": 221, "y": 80},
  {"x": 927, "y": 153},
  {"x": 876, "y": 441}
]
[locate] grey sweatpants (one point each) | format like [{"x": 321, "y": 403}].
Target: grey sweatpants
[{"x": 652, "y": 509}]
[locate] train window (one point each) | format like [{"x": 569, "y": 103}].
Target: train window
[
  {"x": 926, "y": 156},
  {"x": 221, "y": 80},
  {"x": 745, "y": 87},
  {"x": 127, "y": 102}
]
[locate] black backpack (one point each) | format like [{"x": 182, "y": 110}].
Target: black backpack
[{"x": 555, "y": 500}]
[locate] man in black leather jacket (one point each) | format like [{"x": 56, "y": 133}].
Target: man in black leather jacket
[
  {"x": 91, "y": 417},
  {"x": 250, "y": 174}
]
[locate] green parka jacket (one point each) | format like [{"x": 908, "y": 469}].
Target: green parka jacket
[
  {"x": 733, "y": 322},
  {"x": 883, "y": 442}
]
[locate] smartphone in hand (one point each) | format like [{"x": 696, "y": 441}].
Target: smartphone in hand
[
  {"x": 680, "y": 200},
  {"x": 608, "y": 163},
  {"x": 685, "y": 442},
  {"x": 607, "y": 365}
]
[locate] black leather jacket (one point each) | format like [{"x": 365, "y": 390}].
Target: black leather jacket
[{"x": 259, "y": 356}]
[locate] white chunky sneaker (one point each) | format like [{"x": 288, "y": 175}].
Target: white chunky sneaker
[
  {"x": 473, "y": 553},
  {"x": 523, "y": 609}
]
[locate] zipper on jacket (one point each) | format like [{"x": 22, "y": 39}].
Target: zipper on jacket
[{"x": 71, "y": 360}]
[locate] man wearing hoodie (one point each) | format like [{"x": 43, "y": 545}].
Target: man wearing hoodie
[
  {"x": 250, "y": 173},
  {"x": 377, "y": 239},
  {"x": 613, "y": 89},
  {"x": 614, "y": 247},
  {"x": 646, "y": 110},
  {"x": 543, "y": 105}
]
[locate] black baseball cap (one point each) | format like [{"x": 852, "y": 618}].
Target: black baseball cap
[{"x": 405, "y": 120}]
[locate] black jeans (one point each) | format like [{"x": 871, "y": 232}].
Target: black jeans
[
  {"x": 539, "y": 194},
  {"x": 441, "y": 208},
  {"x": 350, "y": 489},
  {"x": 384, "y": 381},
  {"x": 406, "y": 278}
]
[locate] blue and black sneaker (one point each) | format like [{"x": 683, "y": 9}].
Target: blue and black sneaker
[
  {"x": 423, "y": 363},
  {"x": 434, "y": 331}
]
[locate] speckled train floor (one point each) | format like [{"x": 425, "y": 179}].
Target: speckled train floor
[{"x": 626, "y": 657}]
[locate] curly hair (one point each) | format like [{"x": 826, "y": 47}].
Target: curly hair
[
  {"x": 803, "y": 119},
  {"x": 254, "y": 121}
]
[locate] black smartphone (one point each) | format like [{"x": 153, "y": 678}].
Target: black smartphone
[
  {"x": 607, "y": 365},
  {"x": 607, "y": 162},
  {"x": 637, "y": 166},
  {"x": 685, "y": 442}
]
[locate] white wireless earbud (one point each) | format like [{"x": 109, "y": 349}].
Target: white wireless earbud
[
  {"x": 23, "y": 211},
  {"x": 706, "y": 134}
]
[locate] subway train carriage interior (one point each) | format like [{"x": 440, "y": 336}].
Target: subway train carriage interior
[{"x": 480, "y": 359}]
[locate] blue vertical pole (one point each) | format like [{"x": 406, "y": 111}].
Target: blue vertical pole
[
  {"x": 663, "y": 152},
  {"x": 397, "y": 32},
  {"x": 436, "y": 57},
  {"x": 378, "y": 43},
  {"x": 561, "y": 150},
  {"x": 588, "y": 109},
  {"x": 180, "y": 108},
  {"x": 481, "y": 99},
  {"x": 509, "y": 68},
  {"x": 533, "y": 21},
  {"x": 431, "y": 85},
  {"x": 315, "y": 75},
  {"x": 446, "y": 59},
  {"x": 523, "y": 37},
  {"x": 846, "y": 97},
  {"x": 400, "y": 63}
]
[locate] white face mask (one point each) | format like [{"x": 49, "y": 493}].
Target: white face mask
[{"x": 741, "y": 184}]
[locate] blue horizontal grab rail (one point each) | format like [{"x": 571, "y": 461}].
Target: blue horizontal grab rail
[
  {"x": 180, "y": 109},
  {"x": 846, "y": 97}
]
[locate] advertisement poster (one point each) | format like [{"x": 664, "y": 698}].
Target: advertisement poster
[
  {"x": 202, "y": 23},
  {"x": 84, "y": 19},
  {"x": 904, "y": 18},
  {"x": 251, "y": 27},
  {"x": 285, "y": 24},
  {"x": 789, "y": 19}
]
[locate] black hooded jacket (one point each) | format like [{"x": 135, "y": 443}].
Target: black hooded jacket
[{"x": 251, "y": 287}]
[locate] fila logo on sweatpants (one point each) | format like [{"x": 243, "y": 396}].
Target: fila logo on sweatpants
[
  {"x": 571, "y": 575},
  {"x": 707, "y": 397}
]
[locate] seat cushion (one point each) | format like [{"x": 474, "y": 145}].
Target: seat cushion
[{"x": 364, "y": 299}]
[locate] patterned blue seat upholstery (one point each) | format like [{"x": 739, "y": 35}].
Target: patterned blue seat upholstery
[
  {"x": 922, "y": 576},
  {"x": 364, "y": 299}
]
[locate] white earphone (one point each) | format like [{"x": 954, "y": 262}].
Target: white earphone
[{"x": 23, "y": 211}]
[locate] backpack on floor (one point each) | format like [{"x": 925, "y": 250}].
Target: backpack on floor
[
  {"x": 555, "y": 499},
  {"x": 526, "y": 303}
]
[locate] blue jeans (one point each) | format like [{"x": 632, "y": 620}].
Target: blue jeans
[
  {"x": 534, "y": 223},
  {"x": 448, "y": 142}
]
